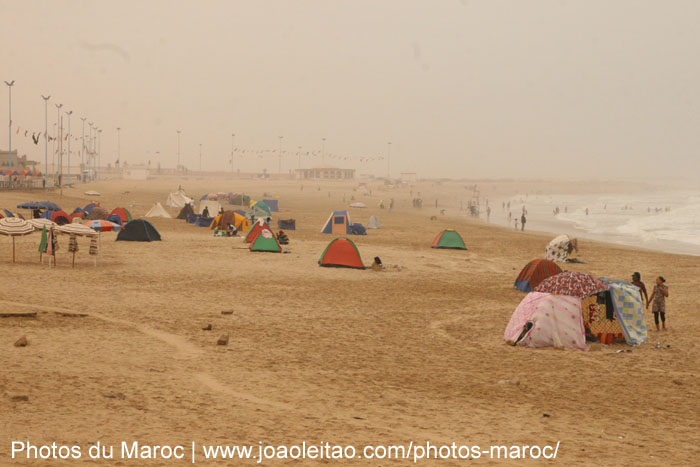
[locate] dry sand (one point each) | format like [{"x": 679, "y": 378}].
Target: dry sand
[{"x": 317, "y": 354}]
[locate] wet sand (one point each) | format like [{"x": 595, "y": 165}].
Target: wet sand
[{"x": 336, "y": 355}]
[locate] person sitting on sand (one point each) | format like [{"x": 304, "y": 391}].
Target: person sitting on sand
[
  {"x": 658, "y": 300},
  {"x": 282, "y": 238},
  {"x": 637, "y": 280}
]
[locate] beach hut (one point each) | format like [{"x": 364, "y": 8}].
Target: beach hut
[
  {"x": 341, "y": 253},
  {"x": 139, "y": 230},
  {"x": 265, "y": 241},
  {"x": 534, "y": 273},
  {"x": 449, "y": 239},
  {"x": 338, "y": 223},
  {"x": 158, "y": 211},
  {"x": 123, "y": 214}
]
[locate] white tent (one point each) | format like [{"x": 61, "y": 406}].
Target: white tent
[
  {"x": 158, "y": 211},
  {"x": 178, "y": 199},
  {"x": 213, "y": 206},
  {"x": 374, "y": 223}
]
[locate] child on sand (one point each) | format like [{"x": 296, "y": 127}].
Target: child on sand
[{"x": 658, "y": 301}]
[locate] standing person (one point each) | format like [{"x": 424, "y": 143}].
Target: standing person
[
  {"x": 637, "y": 280},
  {"x": 516, "y": 223},
  {"x": 586, "y": 211},
  {"x": 205, "y": 212},
  {"x": 488, "y": 213},
  {"x": 522, "y": 222},
  {"x": 658, "y": 300}
]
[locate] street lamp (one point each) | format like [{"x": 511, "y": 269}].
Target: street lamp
[
  {"x": 69, "y": 134},
  {"x": 46, "y": 139},
  {"x": 299, "y": 157},
  {"x": 119, "y": 145},
  {"x": 279, "y": 164},
  {"x": 99, "y": 153},
  {"x": 233, "y": 143},
  {"x": 178, "y": 149},
  {"x": 200, "y": 158},
  {"x": 58, "y": 144},
  {"x": 9, "y": 140},
  {"x": 388, "y": 159},
  {"x": 89, "y": 150},
  {"x": 82, "y": 149},
  {"x": 323, "y": 149}
]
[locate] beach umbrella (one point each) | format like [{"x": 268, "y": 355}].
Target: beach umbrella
[
  {"x": 14, "y": 227},
  {"x": 40, "y": 223},
  {"x": 92, "y": 193},
  {"x": 103, "y": 226},
  {"x": 358, "y": 205},
  {"x": 49, "y": 205},
  {"x": 575, "y": 284},
  {"x": 78, "y": 230}
]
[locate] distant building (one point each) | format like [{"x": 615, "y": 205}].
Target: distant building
[
  {"x": 409, "y": 177},
  {"x": 325, "y": 172},
  {"x": 135, "y": 172},
  {"x": 18, "y": 163}
]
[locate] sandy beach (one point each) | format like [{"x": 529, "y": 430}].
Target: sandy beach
[{"x": 117, "y": 352}]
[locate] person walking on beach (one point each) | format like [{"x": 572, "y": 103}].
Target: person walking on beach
[
  {"x": 522, "y": 222},
  {"x": 637, "y": 280},
  {"x": 488, "y": 214},
  {"x": 658, "y": 301}
]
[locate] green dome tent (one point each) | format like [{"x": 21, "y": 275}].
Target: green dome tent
[
  {"x": 139, "y": 230},
  {"x": 449, "y": 239},
  {"x": 265, "y": 241}
]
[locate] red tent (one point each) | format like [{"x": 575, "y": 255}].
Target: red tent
[{"x": 341, "y": 253}]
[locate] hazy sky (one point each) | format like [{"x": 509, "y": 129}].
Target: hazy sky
[{"x": 460, "y": 88}]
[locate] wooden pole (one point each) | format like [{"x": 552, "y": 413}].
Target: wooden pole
[
  {"x": 73, "y": 259},
  {"x": 13, "y": 248}
]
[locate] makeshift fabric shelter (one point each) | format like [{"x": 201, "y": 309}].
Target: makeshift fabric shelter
[
  {"x": 139, "y": 230},
  {"x": 123, "y": 214},
  {"x": 185, "y": 211},
  {"x": 449, "y": 239},
  {"x": 272, "y": 204},
  {"x": 629, "y": 310},
  {"x": 357, "y": 229},
  {"x": 287, "y": 224},
  {"x": 103, "y": 226},
  {"x": 78, "y": 212},
  {"x": 193, "y": 218},
  {"x": 259, "y": 209},
  {"x": 373, "y": 223},
  {"x": 358, "y": 205},
  {"x": 178, "y": 199},
  {"x": 546, "y": 320},
  {"x": 213, "y": 206},
  {"x": 89, "y": 207},
  {"x": 265, "y": 241},
  {"x": 15, "y": 227},
  {"x": 202, "y": 221},
  {"x": 573, "y": 283},
  {"x": 59, "y": 217},
  {"x": 341, "y": 253},
  {"x": 92, "y": 193},
  {"x": 338, "y": 223},
  {"x": 257, "y": 227},
  {"x": 98, "y": 212},
  {"x": 560, "y": 248},
  {"x": 222, "y": 221},
  {"x": 158, "y": 211},
  {"x": 535, "y": 272}
]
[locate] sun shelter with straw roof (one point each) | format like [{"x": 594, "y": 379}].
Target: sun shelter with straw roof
[
  {"x": 449, "y": 239},
  {"x": 15, "y": 227}
]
